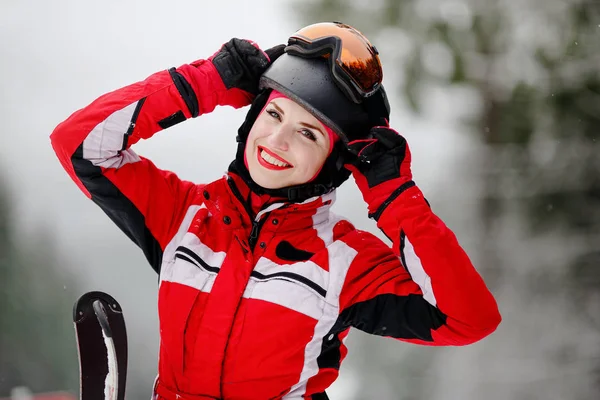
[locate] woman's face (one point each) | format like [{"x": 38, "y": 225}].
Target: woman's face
[{"x": 286, "y": 146}]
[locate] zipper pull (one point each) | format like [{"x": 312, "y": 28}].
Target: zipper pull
[{"x": 253, "y": 234}]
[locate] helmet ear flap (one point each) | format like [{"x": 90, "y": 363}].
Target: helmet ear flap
[{"x": 333, "y": 173}]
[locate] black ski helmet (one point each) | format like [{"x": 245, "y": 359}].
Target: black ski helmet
[{"x": 308, "y": 82}]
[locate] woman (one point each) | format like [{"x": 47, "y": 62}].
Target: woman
[{"x": 259, "y": 281}]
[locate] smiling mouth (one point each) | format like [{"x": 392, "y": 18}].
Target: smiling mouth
[{"x": 271, "y": 161}]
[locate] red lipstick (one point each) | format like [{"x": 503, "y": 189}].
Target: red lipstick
[{"x": 268, "y": 165}]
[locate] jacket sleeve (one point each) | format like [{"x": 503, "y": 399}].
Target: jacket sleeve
[
  {"x": 93, "y": 145},
  {"x": 424, "y": 290}
]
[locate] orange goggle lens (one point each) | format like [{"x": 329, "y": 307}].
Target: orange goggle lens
[{"x": 356, "y": 56}]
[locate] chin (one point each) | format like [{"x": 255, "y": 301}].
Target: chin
[{"x": 265, "y": 181}]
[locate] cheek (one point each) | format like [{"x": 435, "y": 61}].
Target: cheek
[
  {"x": 249, "y": 146},
  {"x": 311, "y": 159},
  {"x": 259, "y": 129},
  {"x": 255, "y": 133}
]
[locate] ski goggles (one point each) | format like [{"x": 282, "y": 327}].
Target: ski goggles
[{"x": 354, "y": 61}]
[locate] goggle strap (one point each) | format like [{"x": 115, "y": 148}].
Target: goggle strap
[{"x": 309, "y": 53}]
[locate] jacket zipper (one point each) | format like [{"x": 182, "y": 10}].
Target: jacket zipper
[
  {"x": 256, "y": 226},
  {"x": 253, "y": 234}
]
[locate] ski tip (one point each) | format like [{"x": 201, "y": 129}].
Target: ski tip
[
  {"x": 83, "y": 307},
  {"x": 102, "y": 317}
]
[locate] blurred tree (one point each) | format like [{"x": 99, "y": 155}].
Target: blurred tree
[
  {"x": 532, "y": 68},
  {"x": 37, "y": 341}
]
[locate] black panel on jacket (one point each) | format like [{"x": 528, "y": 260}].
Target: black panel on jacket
[
  {"x": 186, "y": 91},
  {"x": 171, "y": 120},
  {"x": 402, "y": 255},
  {"x": 400, "y": 317},
  {"x": 287, "y": 252},
  {"x": 134, "y": 118},
  {"x": 118, "y": 207},
  {"x": 331, "y": 356},
  {"x": 319, "y": 396},
  {"x": 384, "y": 315}
]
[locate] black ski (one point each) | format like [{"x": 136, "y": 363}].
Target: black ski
[{"x": 102, "y": 347}]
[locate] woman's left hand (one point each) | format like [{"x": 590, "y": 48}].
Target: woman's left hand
[
  {"x": 241, "y": 63},
  {"x": 382, "y": 171}
]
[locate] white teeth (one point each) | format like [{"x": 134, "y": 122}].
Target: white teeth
[{"x": 272, "y": 160}]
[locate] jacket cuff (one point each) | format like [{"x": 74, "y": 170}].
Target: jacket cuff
[
  {"x": 208, "y": 87},
  {"x": 395, "y": 194},
  {"x": 403, "y": 211}
]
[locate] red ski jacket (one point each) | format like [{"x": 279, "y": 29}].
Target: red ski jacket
[{"x": 258, "y": 308}]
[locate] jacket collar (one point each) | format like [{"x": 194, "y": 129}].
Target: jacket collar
[{"x": 293, "y": 215}]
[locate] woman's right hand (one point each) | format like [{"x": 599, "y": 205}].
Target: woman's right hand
[{"x": 240, "y": 64}]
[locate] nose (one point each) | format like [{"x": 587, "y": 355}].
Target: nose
[{"x": 279, "y": 138}]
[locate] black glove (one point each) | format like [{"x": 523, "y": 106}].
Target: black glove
[
  {"x": 241, "y": 63},
  {"x": 382, "y": 171}
]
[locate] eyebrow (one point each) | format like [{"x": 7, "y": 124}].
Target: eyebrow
[{"x": 306, "y": 124}]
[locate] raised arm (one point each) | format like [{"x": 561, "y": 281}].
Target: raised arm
[
  {"x": 93, "y": 144},
  {"x": 425, "y": 289}
]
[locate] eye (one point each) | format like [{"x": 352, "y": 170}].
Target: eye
[
  {"x": 308, "y": 134},
  {"x": 274, "y": 114}
]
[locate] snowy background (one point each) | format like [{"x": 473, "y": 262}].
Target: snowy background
[{"x": 56, "y": 57}]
